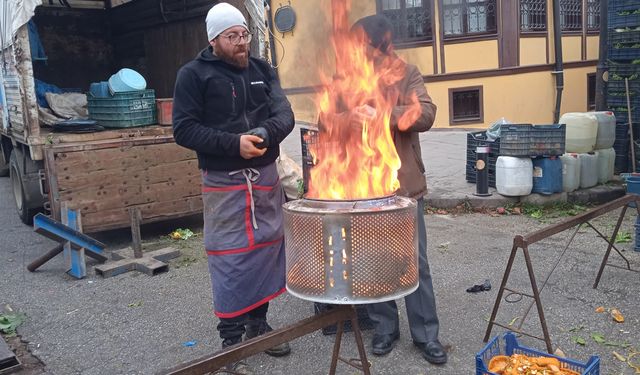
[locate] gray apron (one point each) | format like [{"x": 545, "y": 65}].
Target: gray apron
[{"x": 243, "y": 237}]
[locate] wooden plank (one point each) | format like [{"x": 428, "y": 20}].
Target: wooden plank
[
  {"x": 152, "y": 212},
  {"x": 177, "y": 171}
]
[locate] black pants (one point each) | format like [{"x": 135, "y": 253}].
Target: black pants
[{"x": 232, "y": 329}]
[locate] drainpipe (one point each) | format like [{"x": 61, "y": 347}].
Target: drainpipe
[
  {"x": 601, "y": 95},
  {"x": 557, "y": 46},
  {"x": 272, "y": 44}
]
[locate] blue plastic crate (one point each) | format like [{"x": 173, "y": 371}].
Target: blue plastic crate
[
  {"x": 511, "y": 346},
  {"x": 123, "y": 109},
  {"x": 624, "y": 13}
]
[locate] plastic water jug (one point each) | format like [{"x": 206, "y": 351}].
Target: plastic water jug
[
  {"x": 547, "y": 175},
  {"x": 582, "y": 131},
  {"x": 606, "y": 161},
  {"x": 588, "y": 170},
  {"x": 514, "y": 176},
  {"x": 606, "y": 129},
  {"x": 570, "y": 172}
]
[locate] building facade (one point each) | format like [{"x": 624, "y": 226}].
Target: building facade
[{"x": 482, "y": 60}]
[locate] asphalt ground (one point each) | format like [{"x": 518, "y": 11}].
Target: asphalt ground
[{"x": 136, "y": 324}]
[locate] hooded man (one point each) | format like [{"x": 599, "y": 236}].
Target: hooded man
[
  {"x": 376, "y": 30},
  {"x": 229, "y": 108}
]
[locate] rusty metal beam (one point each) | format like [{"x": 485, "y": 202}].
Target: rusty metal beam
[
  {"x": 549, "y": 231},
  {"x": 211, "y": 363}
]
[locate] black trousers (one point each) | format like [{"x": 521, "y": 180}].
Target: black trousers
[{"x": 232, "y": 329}]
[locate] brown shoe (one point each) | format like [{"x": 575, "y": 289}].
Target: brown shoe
[{"x": 257, "y": 327}]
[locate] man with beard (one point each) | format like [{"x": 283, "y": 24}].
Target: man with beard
[
  {"x": 376, "y": 31},
  {"x": 231, "y": 110}
]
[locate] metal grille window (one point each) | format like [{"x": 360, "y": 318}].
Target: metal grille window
[
  {"x": 411, "y": 19},
  {"x": 533, "y": 15},
  {"x": 465, "y": 105},
  {"x": 571, "y": 15},
  {"x": 593, "y": 14},
  {"x": 469, "y": 17}
]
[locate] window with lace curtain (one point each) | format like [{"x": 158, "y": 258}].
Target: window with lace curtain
[
  {"x": 533, "y": 15},
  {"x": 469, "y": 17},
  {"x": 411, "y": 19},
  {"x": 571, "y": 15}
]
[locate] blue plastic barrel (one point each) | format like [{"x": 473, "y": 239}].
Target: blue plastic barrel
[
  {"x": 547, "y": 175},
  {"x": 127, "y": 80}
]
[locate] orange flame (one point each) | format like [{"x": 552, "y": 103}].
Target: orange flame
[{"x": 354, "y": 156}]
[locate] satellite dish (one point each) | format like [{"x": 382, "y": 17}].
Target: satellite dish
[{"x": 285, "y": 19}]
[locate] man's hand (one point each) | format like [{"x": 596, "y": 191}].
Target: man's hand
[{"x": 248, "y": 149}]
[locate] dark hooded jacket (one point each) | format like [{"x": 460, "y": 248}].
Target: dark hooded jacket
[{"x": 215, "y": 102}]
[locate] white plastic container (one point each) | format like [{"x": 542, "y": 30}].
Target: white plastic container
[
  {"x": 514, "y": 176},
  {"x": 588, "y": 170},
  {"x": 606, "y": 161},
  {"x": 606, "y": 129},
  {"x": 570, "y": 172},
  {"x": 582, "y": 131}
]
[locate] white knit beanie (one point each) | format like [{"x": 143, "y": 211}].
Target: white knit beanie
[{"x": 221, "y": 17}]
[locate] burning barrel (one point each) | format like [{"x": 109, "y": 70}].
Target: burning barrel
[{"x": 351, "y": 252}]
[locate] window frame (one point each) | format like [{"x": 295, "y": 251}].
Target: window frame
[
  {"x": 542, "y": 31},
  {"x": 588, "y": 29},
  {"x": 479, "y": 119},
  {"x": 467, "y": 35},
  {"x": 405, "y": 42}
]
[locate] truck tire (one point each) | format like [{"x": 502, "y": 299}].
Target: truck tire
[{"x": 27, "y": 204}]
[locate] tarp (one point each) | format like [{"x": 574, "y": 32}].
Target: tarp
[{"x": 14, "y": 14}]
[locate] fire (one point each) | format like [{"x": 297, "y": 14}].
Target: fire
[{"x": 354, "y": 156}]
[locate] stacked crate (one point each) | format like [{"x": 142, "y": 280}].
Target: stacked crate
[{"x": 623, "y": 63}]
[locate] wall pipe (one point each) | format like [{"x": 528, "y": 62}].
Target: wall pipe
[
  {"x": 557, "y": 46},
  {"x": 272, "y": 44},
  {"x": 601, "y": 86}
]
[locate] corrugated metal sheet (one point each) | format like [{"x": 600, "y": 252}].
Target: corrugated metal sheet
[{"x": 14, "y": 102}]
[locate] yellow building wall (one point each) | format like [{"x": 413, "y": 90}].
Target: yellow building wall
[
  {"x": 303, "y": 54},
  {"x": 533, "y": 51},
  {"x": 571, "y": 48},
  {"x": 593, "y": 47},
  {"x": 471, "y": 56},
  {"x": 574, "y": 99},
  {"x": 421, "y": 57}
]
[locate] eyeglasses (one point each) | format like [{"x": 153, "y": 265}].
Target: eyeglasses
[{"x": 236, "y": 39}]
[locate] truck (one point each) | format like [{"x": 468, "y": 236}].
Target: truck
[{"x": 103, "y": 174}]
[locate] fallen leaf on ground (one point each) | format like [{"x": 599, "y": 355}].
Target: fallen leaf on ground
[
  {"x": 617, "y": 315},
  {"x": 579, "y": 340},
  {"x": 559, "y": 353},
  {"x": 517, "y": 210},
  {"x": 619, "y": 356},
  {"x": 441, "y": 212},
  {"x": 600, "y": 309}
]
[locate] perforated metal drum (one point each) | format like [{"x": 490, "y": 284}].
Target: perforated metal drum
[{"x": 351, "y": 252}]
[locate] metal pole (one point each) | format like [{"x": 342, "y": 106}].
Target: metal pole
[
  {"x": 558, "y": 71},
  {"x": 601, "y": 86},
  {"x": 633, "y": 142}
]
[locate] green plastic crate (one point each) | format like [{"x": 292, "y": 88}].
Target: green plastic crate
[{"x": 124, "y": 110}]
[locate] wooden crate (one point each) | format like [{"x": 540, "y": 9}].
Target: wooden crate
[{"x": 104, "y": 178}]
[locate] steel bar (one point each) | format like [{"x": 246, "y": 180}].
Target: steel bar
[
  {"x": 612, "y": 243},
  {"x": 211, "y": 363},
  {"x": 507, "y": 271},
  {"x": 33, "y": 266},
  {"x": 336, "y": 348},
  {"x": 516, "y": 330},
  {"x": 549, "y": 231},
  {"x": 519, "y": 292},
  {"x": 606, "y": 254},
  {"x": 524, "y": 317},
  {"x": 536, "y": 293}
]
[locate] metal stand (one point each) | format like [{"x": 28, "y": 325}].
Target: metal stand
[
  {"x": 151, "y": 263},
  {"x": 215, "y": 363},
  {"x": 523, "y": 242},
  {"x": 72, "y": 242}
]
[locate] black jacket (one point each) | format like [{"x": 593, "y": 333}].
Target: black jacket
[{"x": 214, "y": 103}]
